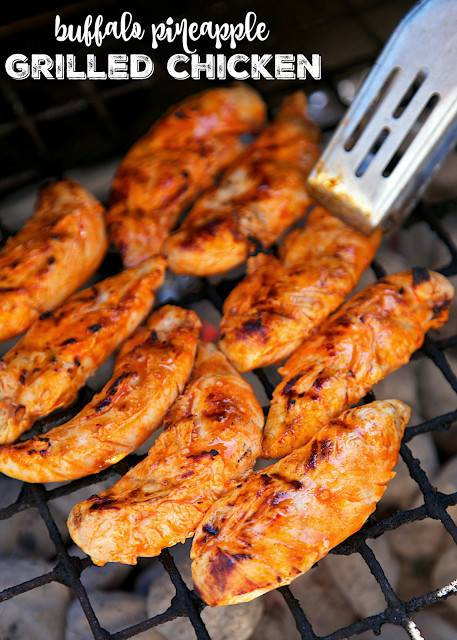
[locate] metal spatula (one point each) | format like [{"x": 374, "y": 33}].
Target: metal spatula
[{"x": 400, "y": 125}]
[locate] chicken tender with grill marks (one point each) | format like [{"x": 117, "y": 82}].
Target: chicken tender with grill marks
[
  {"x": 370, "y": 336},
  {"x": 176, "y": 160},
  {"x": 63, "y": 347},
  {"x": 269, "y": 313},
  {"x": 151, "y": 369},
  {"x": 212, "y": 436},
  {"x": 58, "y": 248},
  {"x": 279, "y": 521},
  {"x": 259, "y": 197}
]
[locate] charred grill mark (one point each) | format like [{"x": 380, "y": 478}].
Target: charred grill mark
[
  {"x": 242, "y": 556},
  {"x": 199, "y": 456},
  {"x": 326, "y": 448},
  {"x": 420, "y": 274},
  {"x": 51, "y": 260},
  {"x": 265, "y": 479},
  {"x": 68, "y": 341},
  {"x": 94, "y": 328},
  {"x": 211, "y": 530},
  {"x": 344, "y": 320},
  {"x": 112, "y": 391},
  {"x": 294, "y": 484},
  {"x": 103, "y": 503},
  {"x": 439, "y": 308},
  {"x": 77, "y": 362},
  {"x": 311, "y": 463},
  {"x": 23, "y": 376},
  {"x": 319, "y": 382},
  {"x": 288, "y": 387},
  {"x": 220, "y": 568}
]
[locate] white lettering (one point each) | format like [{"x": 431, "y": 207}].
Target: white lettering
[
  {"x": 117, "y": 66},
  {"x": 171, "y": 66},
  {"x": 232, "y": 62},
  {"x": 136, "y": 61},
  {"x": 17, "y": 66}
]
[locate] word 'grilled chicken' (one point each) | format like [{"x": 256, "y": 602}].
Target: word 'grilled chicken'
[
  {"x": 259, "y": 197},
  {"x": 277, "y": 523},
  {"x": 269, "y": 314},
  {"x": 212, "y": 436},
  {"x": 151, "y": 369},
  {"x": 63, "y": 347},
  {"x": 370, "y": 336},
  {"x": 55, "y": 252},
  {"x": 176, "y": 160}
]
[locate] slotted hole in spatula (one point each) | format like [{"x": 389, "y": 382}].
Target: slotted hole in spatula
[
  {"x": 377, "y": 144},
  {"x": 412, "y": 133},
  {"x": 369, "y": 113},
  {"x": 409, "y": 93}
]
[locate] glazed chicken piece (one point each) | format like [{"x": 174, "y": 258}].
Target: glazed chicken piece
[
  {"x": 259, "y": 197},
  {"x": 370, "y": 336},
  {"x": 63, "y": 347},
  {"x": 56, "y": 251},
  {"x": 151, "y": 369},
  {"x": 176, "y": 160},
  {"x": 212, "y": 436},
  {"x": 279, "y": 521},
  {"x": 269, "y": 313}
]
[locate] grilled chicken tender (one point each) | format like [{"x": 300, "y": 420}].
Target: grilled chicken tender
[
  {"x": 269, "y": 314},
  {"x": 370, "y": 336},
  {"x": 63, "y": 347},
  {"x": 259, "y": 197},
  {"x": 212, "y": 435},
  {"x": 281, "y": 520},
  {"x": 151, "y": 369},
  {"x": 58, "y": 248},
  {"x": 178, "y": 158}
]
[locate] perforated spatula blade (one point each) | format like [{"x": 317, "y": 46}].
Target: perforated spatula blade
[{"x": 400, "y": 125}]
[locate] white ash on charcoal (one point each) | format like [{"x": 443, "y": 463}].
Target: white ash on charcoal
[
  {"x": 402, "y": 488},
  {"x": 437, "y": 397},
  {"x": 38, "y": 614},
  {"x": 429, "y": 625},
  {"x": 356, "y": 582},
  {"x": 417, "y": 245},
  {"x": 115, "y": 610},
  {"x": 111, "y": 576},
  {"x": 325, "y": 606},
  {"x": 423, "y": 541},
  {"x": 277, "y": 622},
  {"x": 445, "y": 572},
  {"x": 101, "y": 375},
  {"x": 25, "y": 533},
  {"x": 223, "y": 623},
  {"x": 415, "y": 579},
  {"x": 443, "y": 185},
  {"x": 389, "y": 259}
]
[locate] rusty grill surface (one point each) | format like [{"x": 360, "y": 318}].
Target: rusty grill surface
[{"x": 103, "y": 106}]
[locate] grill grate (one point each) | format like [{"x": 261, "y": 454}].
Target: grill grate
[{"x": 107, "y": 106}]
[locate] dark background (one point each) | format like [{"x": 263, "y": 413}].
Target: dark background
[{"x": 50, "y": 126}]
